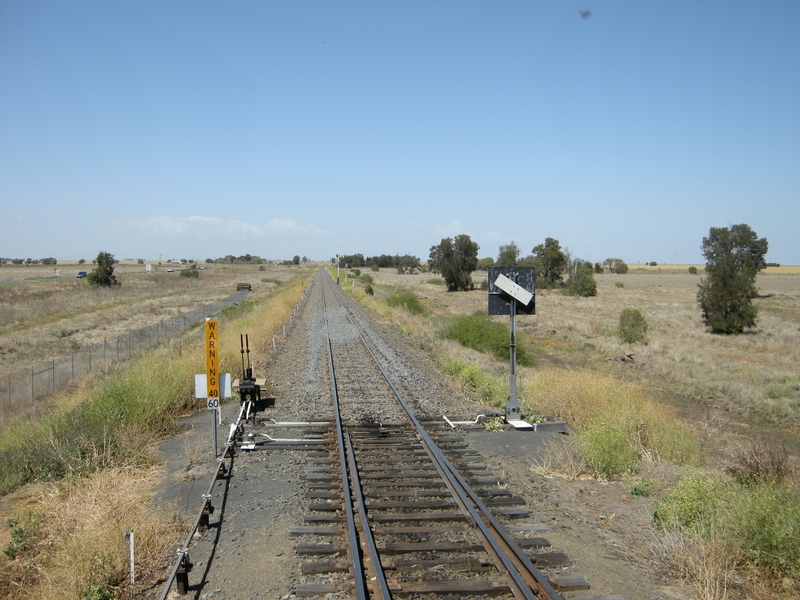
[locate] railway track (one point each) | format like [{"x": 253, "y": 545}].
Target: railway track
[{"x": 396, "y": 505}]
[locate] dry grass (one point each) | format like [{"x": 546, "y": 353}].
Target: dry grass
[
  {"x": 558, "y": 458},
  {"x": 77, "y": 544},
  {"x": 757, "y": 370},
  {"x": 41, "y": 320},
  {"x": 705, "y": 564},
  {"x": 80, "y": 543},
  {"x": 757, "y": 462}
]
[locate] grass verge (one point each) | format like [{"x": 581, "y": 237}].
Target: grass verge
[
  {"x": 758, "y": 524},
  {"x": 90, "y": 461}
]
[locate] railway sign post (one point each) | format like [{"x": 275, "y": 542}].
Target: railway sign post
[
  {"x": 212, "y": 379},
  {"x": 511, "y": 292}
]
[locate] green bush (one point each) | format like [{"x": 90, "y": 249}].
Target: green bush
[
  {"x": 190, "y": 273},
  {"x": 760, "y": 521},
  {"x": 485, "y": 285},
  {"x": 480, "y": 333},
  {"x": 366, "y": 278},
  {"x": 407, "y": 299},
  {"x": 24, "y": 530},
  {"x": 435, "y": 281},
  {"x": 356, "y": 272},
  {"x": 369, "y": 291},
  {"x": 619, "y": 284},
  {"x": 582, "y": 283},
  {"x": 694, "y": 504},
  {"x": 632, "y": 326},
  {"x": 693, "y": 270},
  {"x": 489, "y": 388},
  {"x": 765, "y": 520},
  {"x": 641, "y": 488},
  {"x": 374, "y": 267},
  {"x": 605, "y": 449}
]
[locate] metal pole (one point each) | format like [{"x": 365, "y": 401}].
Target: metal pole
[
  {"x": 129, "y": 538},
  {"x": 214, "y": 430},
  {"x": 513, "y": 411}
]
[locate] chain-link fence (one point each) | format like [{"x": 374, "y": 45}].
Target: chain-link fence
[{"x": 43, "y": 378}]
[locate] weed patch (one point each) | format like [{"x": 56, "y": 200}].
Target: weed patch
[
  {"x": 480, "y": 333},
  {"x": 491, "y": 389},
  {"x": 605, "y": 449},
  {"x": 407, "y": 299},
  {"x": 761, "y": 522},
  {"x": 616, "y": 420}
]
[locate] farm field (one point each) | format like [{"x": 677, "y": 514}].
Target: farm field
[
  {"x": 55, "y": 316},
  {"x": 752, "y": 380}
]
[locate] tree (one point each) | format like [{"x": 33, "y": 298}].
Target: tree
[
  {"x": 485, "y": 263},
  {"x": 551, "y": 262},
  {"x": 509, "y": 253},
  {"x": 296, "y": 259},
  {"x": 103, "y": 274},
  {"x": 455, "y": 259},
  {"x": 616, "y": 265},
  {"x": 734, "y": 256},
  {"x": 82, "y": 261},
  {"x": 582, "y": 282}
]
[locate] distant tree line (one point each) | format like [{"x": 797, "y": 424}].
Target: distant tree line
[
  {"x": 229, "y": 259},
  {"x": 406, "y": 263},
  {"x": 29, "y": 261}
]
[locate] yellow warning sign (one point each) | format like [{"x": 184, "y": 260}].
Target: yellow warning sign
[{"x": 212, "y": 360}]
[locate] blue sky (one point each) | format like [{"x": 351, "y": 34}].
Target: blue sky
[{"x": 200, "y": 129}]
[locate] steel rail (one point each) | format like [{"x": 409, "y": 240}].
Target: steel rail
[
  {"x": 358, "y": 573},
  {"x": 184, "y": 549},
  {"x": 369, "y": 540},
  {"x": 530, "y": 581}
]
